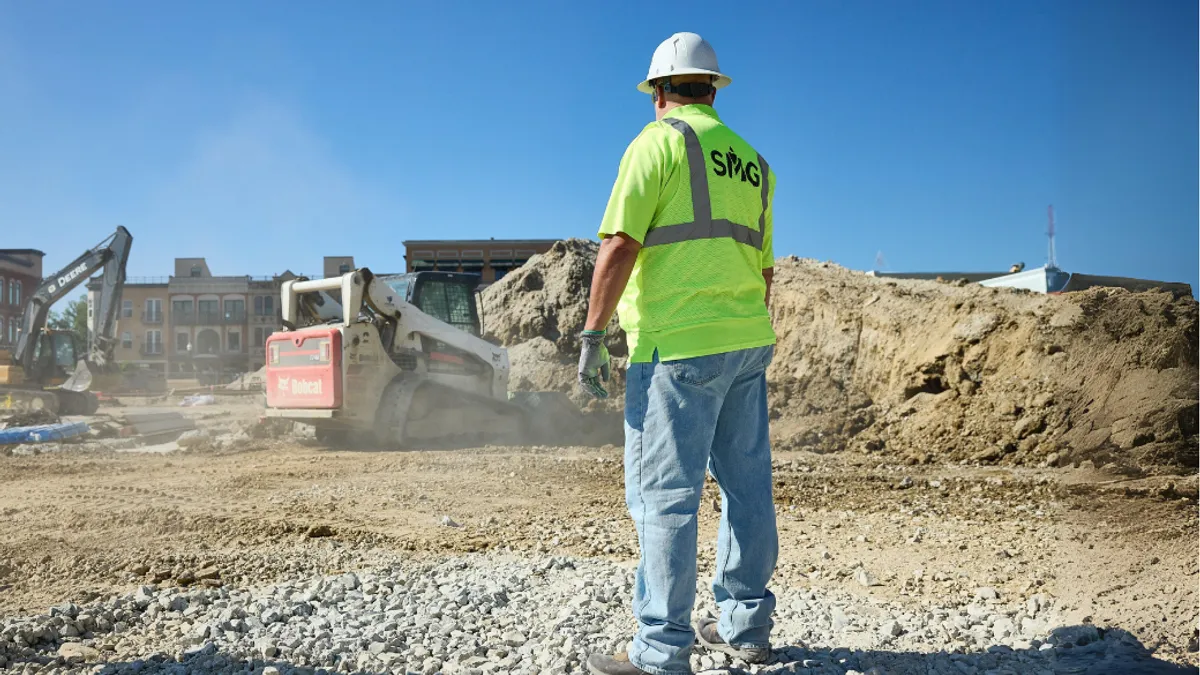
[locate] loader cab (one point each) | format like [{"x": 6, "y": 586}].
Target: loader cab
[{"x": 447, "y": 296}]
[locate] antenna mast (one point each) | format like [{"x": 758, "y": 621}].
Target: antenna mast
[{"x": 1051, "y": 262}]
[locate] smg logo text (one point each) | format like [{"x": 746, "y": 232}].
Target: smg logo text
[{"x": 729, "y": 164}]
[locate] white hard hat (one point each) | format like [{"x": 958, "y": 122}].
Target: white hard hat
[{"x": 683, "y": 54}]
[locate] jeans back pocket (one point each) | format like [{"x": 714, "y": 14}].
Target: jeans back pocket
[{"x": 697, "y": 371}]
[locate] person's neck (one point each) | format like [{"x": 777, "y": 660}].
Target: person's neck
[{"x": 668, "y": 106}]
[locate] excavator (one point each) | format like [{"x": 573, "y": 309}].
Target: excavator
[
  {"x": 398, "y": 360},
  {"x": 49, "y": 369}
]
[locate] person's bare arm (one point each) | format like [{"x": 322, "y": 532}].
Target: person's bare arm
[
  {"x": 614, "y": 264},
  {"x": 769, "y": 276}
]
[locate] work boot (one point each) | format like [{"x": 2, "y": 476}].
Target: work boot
[
  {"x": 706, "y": 632},
  {"x": 617, "y": 664}
]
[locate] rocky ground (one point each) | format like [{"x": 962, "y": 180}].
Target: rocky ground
[{"x": 244, "y": 549}]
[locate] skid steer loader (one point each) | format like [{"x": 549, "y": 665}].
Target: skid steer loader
[{"x": 398, "y": 361}]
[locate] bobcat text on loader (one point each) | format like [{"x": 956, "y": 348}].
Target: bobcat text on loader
[{"x": 398, "y": 360}]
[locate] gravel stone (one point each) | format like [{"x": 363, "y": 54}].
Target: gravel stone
[{"x": 494, "y": 613}]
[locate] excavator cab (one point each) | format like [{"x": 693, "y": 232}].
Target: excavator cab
[{"x": 55, "y": 357}]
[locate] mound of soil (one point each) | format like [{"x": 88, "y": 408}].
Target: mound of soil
[
  {"x": 538, "y": 311},
  {"x": 919, "y": 371}
]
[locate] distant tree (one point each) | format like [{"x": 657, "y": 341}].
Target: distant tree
[{"x": 72, "y": 318}]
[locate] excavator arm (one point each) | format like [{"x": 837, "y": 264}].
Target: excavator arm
[{"x": 111, "y": 256}]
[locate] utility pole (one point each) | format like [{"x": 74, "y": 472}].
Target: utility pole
[{"x": 1051, "y": 262}]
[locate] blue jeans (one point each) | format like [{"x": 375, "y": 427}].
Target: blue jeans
[{"x": 682, "y": 417}]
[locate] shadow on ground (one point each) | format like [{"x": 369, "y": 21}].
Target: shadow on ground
[
  {"x": 1074, "y": 650},
  {"x": 1077, "y": 650}
]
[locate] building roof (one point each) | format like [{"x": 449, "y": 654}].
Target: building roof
[{"x": 11, "y": 255}]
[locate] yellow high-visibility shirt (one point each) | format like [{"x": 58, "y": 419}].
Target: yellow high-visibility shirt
[{"x": 698, "y": 198}]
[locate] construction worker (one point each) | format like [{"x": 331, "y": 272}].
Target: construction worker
[{"x": 686, "y": 261}]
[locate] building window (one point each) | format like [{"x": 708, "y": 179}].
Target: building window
[
  {"x": 153, "y": 311},
  {"x": 14, "y": 292},
  {"x": 182, "y": 341},
  {"x": 260, "y": 337},
  {"x": 422, "y": 261},
  {"x": 181, "y": 311},
  {"x": 154, "y": 342},
  {"x": 235, "y": 341},
  {"x": 344, "y": 268},
  {"x": 264, "y": 305},
  {"x": 208, "y": 311},
  {"x": 3, "y": 337},
  {"x": 1, "y": 299},
  {"x": 127, "y": 340},
  {"x": 235, "y": 310},
  {"x": 197, "y": 270},
  {"x": 126, "y": 309}
]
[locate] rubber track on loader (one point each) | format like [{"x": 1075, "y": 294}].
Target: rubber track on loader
[{"x": 416, "y": 412}]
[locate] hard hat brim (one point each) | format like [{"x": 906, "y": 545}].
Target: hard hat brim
[{"x": 721, "y": 81}]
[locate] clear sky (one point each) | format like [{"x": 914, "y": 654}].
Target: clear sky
[{"x": 263, "y": 135}]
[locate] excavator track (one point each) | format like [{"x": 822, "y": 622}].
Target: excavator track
[
  {"x": 415, "y": 412},
  {"x": 15, "y": 400},
  {"x": 76, "y": 402}
]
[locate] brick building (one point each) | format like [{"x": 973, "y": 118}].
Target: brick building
[
  {"x": 20, "y": 275},
  {"x": 490, "y": 258}
]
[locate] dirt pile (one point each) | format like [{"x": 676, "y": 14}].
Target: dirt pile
[
  {"x": 920, "y": 370},
  {"x": 538, "y": 312},
  {"x": 954, "y": 371}
]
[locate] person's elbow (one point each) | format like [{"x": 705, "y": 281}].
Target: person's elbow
[{"x": 620, "y": 247}]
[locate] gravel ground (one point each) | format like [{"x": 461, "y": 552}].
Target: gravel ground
[
  {"x": 227, "y": 552},
  {"x": 505, "y": 614}
]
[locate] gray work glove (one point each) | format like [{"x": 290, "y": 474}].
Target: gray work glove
[{"x": 593, "y": 363}]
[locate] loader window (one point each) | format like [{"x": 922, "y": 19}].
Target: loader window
[
  {"x": 449, "y": 301},
  {"x": 400, "y": 286}
]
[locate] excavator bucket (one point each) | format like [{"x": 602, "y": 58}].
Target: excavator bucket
[{"x": 81, "y": 379}]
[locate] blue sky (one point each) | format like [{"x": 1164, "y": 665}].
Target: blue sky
[{"x": 263, "y": 135}]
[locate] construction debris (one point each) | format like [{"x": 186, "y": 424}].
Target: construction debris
[
  {"x": 30, "y": 418},
  {"x": 42, "y": 433},
  {"x": 160, "y": 426}
]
